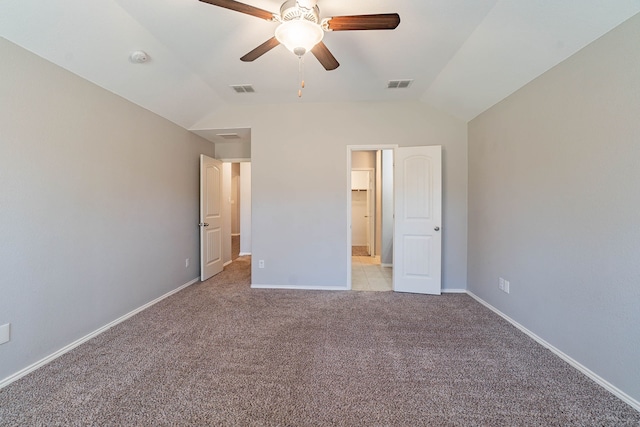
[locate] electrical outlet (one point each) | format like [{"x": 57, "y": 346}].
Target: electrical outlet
[
  {"x": 186, "y": 262},
  {"x": 261, "y": 263},
  {"x": 503, "y": 284},
  {"x": 5, "y": 333}
]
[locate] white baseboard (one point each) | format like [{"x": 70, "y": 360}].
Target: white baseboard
[
  {"x": 386, "y": 265},
  {"x": 635, "y": 404},
  {"x": 301, "y": 287},
  {"x": 11, "y": 378},
  {"x": 227, "y": 263},
  {"x": 336, "y": 288},
  {"x": 244, "y": 254}
]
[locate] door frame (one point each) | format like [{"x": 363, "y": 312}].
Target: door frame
[
  {"x": 350, "y": 149},
  {"x": 371, "y": 212}
]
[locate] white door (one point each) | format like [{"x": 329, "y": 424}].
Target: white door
[
  {"x": 418, "y": 215},
  {"x": 211, "y": 260}
]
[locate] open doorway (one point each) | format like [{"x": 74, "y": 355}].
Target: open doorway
[
  {"x": 237, "y": 206},
  {"x": 225, "y": 214},
  {"x": 371, "y": 219},
  {"x": 363, "y": 208},
  {"x": 412, "y": 203},
  {"x": 234, "y": 199}
]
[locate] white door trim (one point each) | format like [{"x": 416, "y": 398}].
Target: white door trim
[{"x": 350, "y": 149}]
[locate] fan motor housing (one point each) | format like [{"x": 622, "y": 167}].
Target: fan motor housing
[{"x": 291, "y": 10}]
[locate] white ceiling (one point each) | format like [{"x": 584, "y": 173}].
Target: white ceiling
[{"x": 464, "y": 55}]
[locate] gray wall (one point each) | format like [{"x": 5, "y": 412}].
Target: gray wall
[
  {"x": 233, "y": 151},
  {"x": 98, "y": 206},
  {"x": 299, "y": 186},
  {"x": 554, "y": 206}
]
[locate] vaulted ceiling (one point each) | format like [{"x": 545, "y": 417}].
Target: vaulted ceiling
[{"x": 463, "y": 55}]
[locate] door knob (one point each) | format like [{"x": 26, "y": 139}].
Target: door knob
[
  {"x": 203, "y": 224},
  {"x": 436, "y": 228}
]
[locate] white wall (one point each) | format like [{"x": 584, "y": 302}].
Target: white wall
[
  {"x": 299, "y": 186},
  {"x": 98, "y": 207},
  {"x": 554, "y": 202}
]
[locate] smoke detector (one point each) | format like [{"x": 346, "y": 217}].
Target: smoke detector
[{"x": 138, "y": 57}]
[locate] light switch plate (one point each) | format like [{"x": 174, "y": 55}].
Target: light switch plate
[{"x": 5, "y": 333}]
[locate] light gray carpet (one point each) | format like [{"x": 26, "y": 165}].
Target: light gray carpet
[{"x": 219, "y": 353}]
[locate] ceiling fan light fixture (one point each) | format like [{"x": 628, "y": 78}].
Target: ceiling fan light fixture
[{"x": 299, "y": 35}]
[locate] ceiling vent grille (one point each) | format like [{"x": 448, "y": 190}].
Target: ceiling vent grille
[
  {"x": 399, "y": 84},
  {"x": 228, "y": 135},
  {"x": 243, "y": 88}
]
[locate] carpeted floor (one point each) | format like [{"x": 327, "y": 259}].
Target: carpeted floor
[{"x": 219, "y": 353}]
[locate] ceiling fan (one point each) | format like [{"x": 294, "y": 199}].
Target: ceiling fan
[{"x": 301, "y": 29}]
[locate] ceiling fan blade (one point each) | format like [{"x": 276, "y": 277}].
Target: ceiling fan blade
[
  {"x": 385, "y": 21},
  {"x": 242, "y": 8},
  {"x": 326, "y": 58},
  {"x": 260, "y": 50}
]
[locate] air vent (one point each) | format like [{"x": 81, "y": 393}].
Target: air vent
[
  {"x": 243, "y": 88},
  {"x": 228, "y": 135},
  {"x": 399, "y": 84}
]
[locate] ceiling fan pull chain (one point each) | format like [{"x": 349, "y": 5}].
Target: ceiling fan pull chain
[{"x": 300, "y": 75}]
